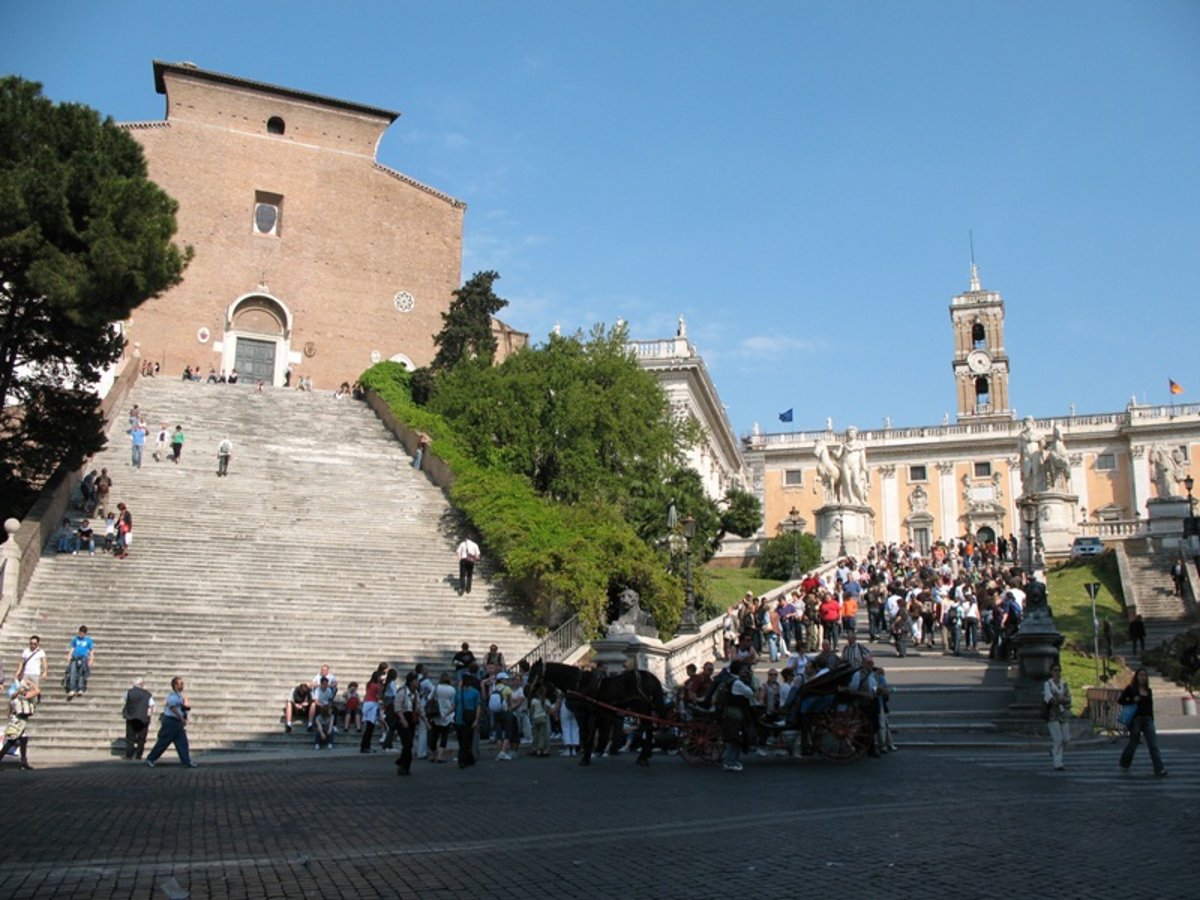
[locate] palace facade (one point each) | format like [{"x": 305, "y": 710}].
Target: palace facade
[{"x": 944, "y": 481}]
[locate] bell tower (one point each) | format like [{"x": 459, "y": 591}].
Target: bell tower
[{"x": 980, "y": 364}]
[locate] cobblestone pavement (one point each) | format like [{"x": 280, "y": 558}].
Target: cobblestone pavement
[{"x": 981, "y": 823}]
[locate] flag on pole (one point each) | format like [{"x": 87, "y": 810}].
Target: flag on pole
[
  {"x": 787, "y": 416},
  {"x": 1175, "y": 389}
]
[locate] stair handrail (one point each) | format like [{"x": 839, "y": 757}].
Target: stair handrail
[{"x": 558, "y": 644}]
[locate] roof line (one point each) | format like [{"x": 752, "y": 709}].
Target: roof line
[{"x": 161, "y": 67}]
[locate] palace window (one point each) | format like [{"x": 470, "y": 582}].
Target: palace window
[
  {"x": 793, "y": 478},
  {"x": 983, "y": 470},
  {"x": 1106, "y": 462},
  {"x": 918, "y": 473},
  {"x": 268, "y": 213}
]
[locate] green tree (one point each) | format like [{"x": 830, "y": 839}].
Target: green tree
[
  {"x": 85, "y": 237},
  {"x": 578, "y": 417},
  {"x": 775, "y": 557},
  {"x": 742, "y": 516},
  {"x": 467, "y": 325}
]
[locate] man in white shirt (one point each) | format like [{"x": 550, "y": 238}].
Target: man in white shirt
[
  {"x": 468, "y": 554},
  {"x": 33, "y": 662}
]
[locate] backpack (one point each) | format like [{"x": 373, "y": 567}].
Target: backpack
[
  {"x": 496, "y": 701},
  {"x": 433, "y": 709}
]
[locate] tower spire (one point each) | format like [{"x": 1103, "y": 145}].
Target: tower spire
[{"x": 974, "y": 268}]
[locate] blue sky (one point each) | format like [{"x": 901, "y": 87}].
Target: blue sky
[{"x": 798, "y": 179}]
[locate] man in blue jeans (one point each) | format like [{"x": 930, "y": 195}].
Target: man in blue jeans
[
  {"x": 79, "y": 662},
  {"x": 467, "y": 702},
  {"x": 173, "y": 729}
]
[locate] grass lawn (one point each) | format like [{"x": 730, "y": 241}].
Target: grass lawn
[
  {"x": 727, "y": 586},
  {"x": 1072, "y": 609}
]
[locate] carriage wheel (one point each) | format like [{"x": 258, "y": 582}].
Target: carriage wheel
[
  {"x": 701, "y": 743},
  {"x": 840, "y": 735}
]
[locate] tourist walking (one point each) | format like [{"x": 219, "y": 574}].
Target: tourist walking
[
  {"x": 173, "y": 729},
  {"x": 1056, "y": 695},
  {"x": 1137, "y": 636},
  {"x": 224, "y": 454},
  {"x": 124, "y": 531},
  {"x": 137, "y": 438},
  {"x": 408, "y": 713},
  {"x": 177, "y": 443},
  {"x": 468, "y": 554},
  {"x": 16, "y": 731},
  {"x": 160, "y": 443},
  {"x": 80, "y": 657},
  {"x": 139, "y": 707},
  {"x": 33, "y": 665},
  {"x": 1138, "y": 692}
]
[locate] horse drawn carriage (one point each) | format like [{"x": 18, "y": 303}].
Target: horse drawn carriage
[{"x": 828, "y": 718}]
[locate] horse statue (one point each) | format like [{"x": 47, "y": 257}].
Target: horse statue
[
  {"x": 632, "y": 689},
  {"x": 830, "y": 472}
]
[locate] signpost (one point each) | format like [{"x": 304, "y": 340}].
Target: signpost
[{"x": 1093, "y": 588}]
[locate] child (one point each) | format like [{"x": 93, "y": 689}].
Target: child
[
  {"x": 110, "y": 530},
  {"x": 353, "y": 708},
  {"x": 539, "y": 711}
]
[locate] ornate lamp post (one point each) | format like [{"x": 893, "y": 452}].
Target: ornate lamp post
[
  {"x": 794, "y": 524},
  {"x": 1190, "y": 528},
  {"x": 841, "y": 534},
  {"x": 688, "y": 623},
  {"x": 1029, "y": 514}
]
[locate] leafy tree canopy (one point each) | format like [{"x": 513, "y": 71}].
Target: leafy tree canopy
[
  {"x": 775, "y": 558},
  {"x": 85, "y": 237},
  {"x": 577, "y": 416}
]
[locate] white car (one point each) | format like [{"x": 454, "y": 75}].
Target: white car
[{"x": 1086, "y": 546}]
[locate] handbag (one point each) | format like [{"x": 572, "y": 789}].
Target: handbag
[
  {"x": 1046, "y": 707},
  {"x": 1125, "y": 716}
]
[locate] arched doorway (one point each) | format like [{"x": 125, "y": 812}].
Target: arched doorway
[
  {"x": 986, "y": 535},
  {"x": 258, "y": 330}
]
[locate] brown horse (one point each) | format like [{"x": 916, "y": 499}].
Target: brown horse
[{"x": 632, "y": 689}]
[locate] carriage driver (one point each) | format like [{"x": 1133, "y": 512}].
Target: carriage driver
[{"x": 865, "y": 683}]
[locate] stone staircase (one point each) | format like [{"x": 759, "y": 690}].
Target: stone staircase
[{"x": 322, "y": 545}]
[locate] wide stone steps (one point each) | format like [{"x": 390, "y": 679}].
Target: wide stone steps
[{"x": 322, "y": 545}]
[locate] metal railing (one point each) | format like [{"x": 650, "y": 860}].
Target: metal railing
[{"x": 558, "y": 644}]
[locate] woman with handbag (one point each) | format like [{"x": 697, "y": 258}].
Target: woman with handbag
[
  {"x": 1138, "y": 694},
  {"x": 1056, "y": 700}
]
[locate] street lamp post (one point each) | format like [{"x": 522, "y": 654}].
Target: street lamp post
[
  {"x": 1029, "y": 516},
  {"x": 841, "y": 534},
  {"x": 688, "y": 623},
  {"x": 794, "y": 524}
]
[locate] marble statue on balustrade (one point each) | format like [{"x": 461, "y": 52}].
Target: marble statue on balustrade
[
  {"x": 1029, "y": 443},
  {"x": 843, "y": 469},
  {"x": 1166, "y": 469},
  {"x": 1056, "y": 466}
]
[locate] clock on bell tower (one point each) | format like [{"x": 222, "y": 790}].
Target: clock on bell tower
[{"x": 980, "y": 364}]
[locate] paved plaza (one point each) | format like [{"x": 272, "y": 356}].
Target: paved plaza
[{"x": 965, "y": 823}]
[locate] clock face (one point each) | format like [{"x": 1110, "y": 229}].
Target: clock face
[{"x": 979, "y": 362}]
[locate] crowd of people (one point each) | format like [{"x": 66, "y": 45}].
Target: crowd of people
[
  {"x": 955, "y": 598},
  {"x": 478, "y": 700}
]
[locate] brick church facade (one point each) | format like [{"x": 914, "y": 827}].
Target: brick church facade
[{"x": 308, "y": 252}]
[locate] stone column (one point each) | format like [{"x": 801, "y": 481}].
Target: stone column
[
  {"x": 890, "y": 499},
  {"x": 947, "y": 501},
  {"x": 1139, "y": 481}
]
